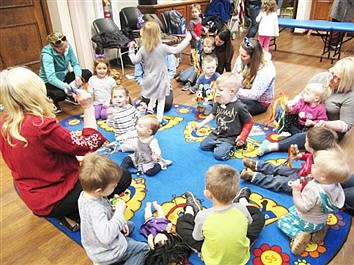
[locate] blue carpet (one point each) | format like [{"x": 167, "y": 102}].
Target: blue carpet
[{"x": 181, "y": 145}]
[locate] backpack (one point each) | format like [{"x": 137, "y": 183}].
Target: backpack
[{"x": 176, "y": 23}]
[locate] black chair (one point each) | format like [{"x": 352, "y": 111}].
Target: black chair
[
  {"x": 128, "y": 17},
  {"x": 107, "y": 27}
]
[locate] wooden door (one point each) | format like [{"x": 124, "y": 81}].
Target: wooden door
[
  {"x": 24, "y": 26},
  {"x": 320, "y": 9}
]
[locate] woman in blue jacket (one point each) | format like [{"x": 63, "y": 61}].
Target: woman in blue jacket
[{"x": 55, "y": 59}]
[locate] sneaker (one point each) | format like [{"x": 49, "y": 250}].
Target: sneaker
[
  {"x": 58, "y": 110},
  {"x": 249, "y": 163},
  {"x": 69, "y": 224},
  {"x": 164, "y": 163},
  {"x": 193, "y": 89},
  {"x": 192, "y": 201},
  {"x": 300, "y": 242},
  {"x": 163, "y": 122},
  {"x": 320, "y": 235},
  {"x": 247, "y": 175},
  {"x": 72, "y": 101},
  {"x": 283, "y": 135},
  {"x": 186, "y": 87},
  {"x": 264, "y": 148},
  {"x": 243, "y": 193}
]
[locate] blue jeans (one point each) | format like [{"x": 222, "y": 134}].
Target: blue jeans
[
  {"x": 136, "y": 251},
  {"x": 274, "y": 177},
  {"x": 220, "y": 148},
  {"x": 348, "y": 187},
  {"x": 253, "y": 9}
]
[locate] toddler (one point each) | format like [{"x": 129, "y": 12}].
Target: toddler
[
  {"x": 277, "y": 178},
  {"x": 195, "y": 26},
  {"x": 305, "y": 111},
  {"x": 163, "y": 243},
  {"x": 156, "y": 84},
  {"x": 268, "y": 26},
  {"x": 233, "y": 121},
  {"x": 147, "y": 156},
  {"x": 122, "y": 116},
  {"x": 104, "y": 232},
  {"x": 306, "y": 220},
  {"x": 100, "y": 86}
]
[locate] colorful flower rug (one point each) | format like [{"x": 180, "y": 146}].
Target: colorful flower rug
[{"x": 180, "y": 143}]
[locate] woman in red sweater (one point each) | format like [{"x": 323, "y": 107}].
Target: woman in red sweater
[{"x": 40, "y": 153}]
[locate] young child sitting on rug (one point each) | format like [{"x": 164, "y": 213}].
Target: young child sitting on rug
[
  {"x": 278, "y": 177},
  {"x": 166, "y": 247},
  {"x": 104, "y": 232},
  {"x": 122, "y": 116},
  {"x": 233, "y": 121},
  {"x": 147, "y": 156},
  {"x": 307, "y": 219},
  {"x": 207, "y": 231},
  {"x": 100, "y": 85},
  {"x": 306, "y": 111}
]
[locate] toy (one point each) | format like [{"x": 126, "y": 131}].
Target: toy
[
  {"x": 200, "y": 101},
  {"x": 278, "y": 113},
  {"x": 71, "y": 88},
  {"x": 293, "y": 151}
]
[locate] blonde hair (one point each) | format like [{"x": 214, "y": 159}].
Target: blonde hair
[
  {"x": 22, "y": 92},
  {"x": 269, "y": 6},
  {"x": 230, "y": 81},
  {"x": 196, "y": 7},
  {"x": 209, "y": 40},
  {"x": 210, "y": 58},
  {"x": 97, "y": 172},
  {"x": 344, "y": 68},
  {"x": 150, "y": 35},
  {"x": 125, "y": 90},
  {"x": 331, "y": 165},
  {"x": 223, "y": 182},
  {"x": 154, "y": 124},
  {"x": 104, "y": 61},
  {"x": 318, "y": 90}
]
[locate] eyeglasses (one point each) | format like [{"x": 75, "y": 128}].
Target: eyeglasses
[
  {"x": 247, "y": 43},
  {"x": 60, "y": 41}
]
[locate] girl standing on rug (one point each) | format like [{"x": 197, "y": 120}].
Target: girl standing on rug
[
  {"x": 104, "y": 231},
  {"x": 100, "y": 86},
  {"x": 255, "y": 67},
  {"x": 40, "y": 153},
  {"x": 147, "y": 156},
  {"x": 307, "y": 219},
  {"x": 123, "y": 116},
  {"x": 268, "y": 26},
  {"x": 156, "y": 84},
  {"x": 165, "y": 247}
]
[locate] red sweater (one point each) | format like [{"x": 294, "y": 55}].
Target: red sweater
[{"x": 46, "y": 169}]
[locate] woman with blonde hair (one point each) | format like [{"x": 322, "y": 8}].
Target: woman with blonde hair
[
  {"x": 40, "y": 153},
  {"x": 155, "y": 85}
]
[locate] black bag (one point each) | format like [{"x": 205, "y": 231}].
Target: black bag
[{"x": 176, "y": 23}]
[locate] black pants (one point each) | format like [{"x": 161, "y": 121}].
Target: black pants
[
  {"x": 185, "y": 226},
  {"x": 168, "y": 101},
  {"x": 68, "y": 206},
  {"x": 128, "y": 163},
  {"x": 58, "y": 94}
]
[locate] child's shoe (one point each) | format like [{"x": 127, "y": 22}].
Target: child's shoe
[
  {"x": 192, "y": 201},
  {"x": 300, "y": 242},
  {"x": 264, "y": 148},
  {"x": 249, "y": 163},
  {"x": 247, "y": 175},
  {"x": 164, "y": 163},
  {"x": 320, "y": 235},
  {"x": 283, "y": 135},
  {"x": 163, "y": 122},
  {"x": 243, "y": 193},
  {"x": 193, "y": 89},
  {"x": 187, "y": 86}
]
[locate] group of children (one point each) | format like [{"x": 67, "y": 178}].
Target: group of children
[{"x": 104, "y": 230}]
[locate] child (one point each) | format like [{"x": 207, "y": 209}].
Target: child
[
  {"x": 100, "y": 86},
  {"x": 147, "y": 156},
  {"x": 224, "y": 50},
  {"x": 233, "y": 121},
  {"x": 156, "y": 85},
  {"x": 268, "y": 26},
  {"x": 277, "y": 178},
  {"x": 191, "y": 74},
  {"x": 166, "y": 248},
  {"x": 104, "y": 231},
  {"x": 195, "y": 26},
  {"x": 306, "y": 220},
  {"x": 216, "y": 225},
  {"x": 122, "y": 116},
  {"x": 308, "y": 109}
]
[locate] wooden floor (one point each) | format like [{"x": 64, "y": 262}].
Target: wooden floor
[{"x": 27, "y": 239}]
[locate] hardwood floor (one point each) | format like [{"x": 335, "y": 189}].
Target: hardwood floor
[{"x": 28, "y": 239}]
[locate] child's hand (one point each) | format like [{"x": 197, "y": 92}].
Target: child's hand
[
  {"x": 296, "y": 185},
  {"x": 109, "y": 111},
  {"x": 106, "y": 105},
  {"x": 84, "y": 98},
  {"x": 155, "y": 157},
  {"x": 132, "y": 45},
  {"x": 239, "y": 141},
  {"x": 125, "y": 230},
  {"x": 309, "y": 123},
  {"x": 120, "y": 206},
  {"x": 298, "y": 156}
]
